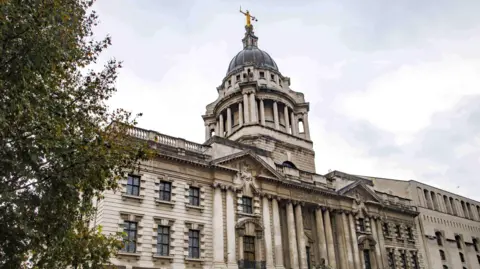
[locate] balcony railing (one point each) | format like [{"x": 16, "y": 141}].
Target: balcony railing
[{"x": 167, "y": 140}]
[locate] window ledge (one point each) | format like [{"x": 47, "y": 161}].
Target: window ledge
[
  {"x": 247, "y": 214},
  {"x": 388, "y": 237},
  {"x": 411, "y": 240},
  {"x": 195, "y": 207},
  {"x": 129, "y": 254},
  {"x": 161, "y": 257},
  {"x": 159, "y": 201},
  {"x": 134, "y": 197},
  {"x": 200, "y": 260}
]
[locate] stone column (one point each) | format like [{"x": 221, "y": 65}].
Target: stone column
[
  {"x": 217, "y": 128},
  {"x": 240, "y": 115},
  {"x": 342, "y": 246},
  {"x": 267, "y": 232},
  {"x": 381, "y": 242},
  {"x": 287, "y": 123},
  {"x": 245, "y": 108},
  {"x": 353, "y": 234},
  {"x": 207, "y": 132},
  {"x": 218, "y": 226},
  {"x": 329, "y": 240},
  {"x": 378, "y": 255},
  {"x": 231, "y": 254},
  {"x": 348, "y": 240},
  {"x": 292, "y": 237},
  {"x": 253, "y": 109},
  {"x": 275, "y": 115},
  {"x": 262, "y": 113},
  {"x": 321, "y": 234},
  {"x": 306, "y": 127},
  {"x": 277, "y": 235},
  {"x": 294, "y": 124},
  {"x": 300, "y": 237},
  {"x": 229, "y": 121},
  {"x": 221, "y": 125}
]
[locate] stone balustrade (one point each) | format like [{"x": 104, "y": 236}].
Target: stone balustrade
[{"x": 167, "y": 140}]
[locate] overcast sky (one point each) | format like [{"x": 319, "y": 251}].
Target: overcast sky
[{"x": 393, "y": 86}]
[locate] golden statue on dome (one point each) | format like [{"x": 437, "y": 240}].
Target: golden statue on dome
[{"x": 248, "y": 17}]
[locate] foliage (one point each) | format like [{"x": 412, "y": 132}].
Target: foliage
[{"x": 58, "y": 149}]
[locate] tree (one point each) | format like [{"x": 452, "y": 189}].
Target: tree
[{"x": 59, "y": 150}]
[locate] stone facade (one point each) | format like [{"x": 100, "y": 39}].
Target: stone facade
[{"x": 249, "y": 197}]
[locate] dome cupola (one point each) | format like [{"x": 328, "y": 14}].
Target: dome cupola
[{"x": 251, "y": 55}]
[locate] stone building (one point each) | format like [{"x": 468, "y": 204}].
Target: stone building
[
  {"x": 249, "y": 197},
  {"x": 448, "y": 224}
]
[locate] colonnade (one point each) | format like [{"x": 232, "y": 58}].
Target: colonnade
[
  {"x": 252, "y": 111},
  {"x": 344, "y": 244}
]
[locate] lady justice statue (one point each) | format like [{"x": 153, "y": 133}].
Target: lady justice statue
[{"x": 248, "y": 17}]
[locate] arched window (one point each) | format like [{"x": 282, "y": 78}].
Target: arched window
[
  {"x": 289, "y": 164},
  {"x": 301, "y": 128},
  {"x": 438, "y": 235}
]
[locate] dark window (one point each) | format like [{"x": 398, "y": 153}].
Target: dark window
[
  {"x": 272, "y": 77},
  {"x": 442, "y": 255},
  {"x": 249, "y": 248},
  {"x": 366, "y": 257},
  {"x": 398, "y": 231},
  {"x": 194, "y": 244},
  {"x": 237, "y": 78},
  {"x": 478, "y": 259},
  {"x": 130, "y": 240},
  {"x": 247, "y": 205},
  {"x": 229, "y": 83},
  {"x": 445, "y": 267},
  {"x": 385, "y": 229},
  {"x": 194, "y": 196},
  {"x": 438, "y": 235},
  {"x": 361, "y": 224},
  {"x": 165, "y": 190},
  {"x": 410, "y": 233},
  {"x": 462, "y": 258},
  {"x": 403, "y": 258},
  {"x": 163, "y": 240},
  {"x": 262, "y": 74},
  {"x": 307, "y": 250},
  {"x": 415, "y": 260},
  {"x": 289, "y": 164},
  {"x": 475, "y": 244},
  {"x": 133, "y": 185},
  {"x": 391, "y": 260},
  {"x": 459, "y": 241}
]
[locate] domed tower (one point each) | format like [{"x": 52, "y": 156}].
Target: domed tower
[{"x": 256, "y": 106}]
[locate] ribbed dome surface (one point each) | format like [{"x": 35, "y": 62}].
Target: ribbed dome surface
[{"x": 252, "y": 56}]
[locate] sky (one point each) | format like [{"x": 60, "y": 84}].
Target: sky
[{"x": 393, "y": 86}]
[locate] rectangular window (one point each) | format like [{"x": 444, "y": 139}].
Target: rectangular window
[
  {"x": 459, "y": 242},
  {"x": 130, "y": 240},
  {"x": 247, "y": 205},
  {"x": 361, "y": 224},
  {"x": 386, "y": 232},
  {"x": 438, "y": 235},
  {"x": 163, "y": 240},
  {"x": 442, "y": 255},
  {"x": 194, "y": 196},
  {"x": 133, "y": 185},
  {"x": 262, "y": 74},
  {"x": 462, "y": 258},
  {"x": 165, "y": 190},
  {"x": 391, "y": 260},
  {"x": 237, "y": 78},
  {"x": 366, "y": 258},
  {"x": 249, "y": 248},
  {"x": 415, "y": 260},
  {"x": 194, "y": 244},
  {"x": 410, "y": 233},
  {"x": 475, "y": 244},
  {"x": 398, "y": 231},
  {"x": 403, "y": 258}
]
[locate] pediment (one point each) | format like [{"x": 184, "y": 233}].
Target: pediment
[
  {"x": 248, "y": 162},
  {"x": 360, "y": 192}
]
